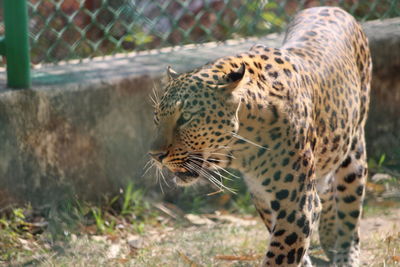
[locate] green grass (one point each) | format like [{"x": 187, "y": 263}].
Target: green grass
[{"x": 25, "y": 234}]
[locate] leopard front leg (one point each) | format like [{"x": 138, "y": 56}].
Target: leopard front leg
[
  {"x": 342, "y": 206},
  {"x": 294, "y": 221},
  {"x": 291, "y": 216},
  {"x": 350, "y": 182}
]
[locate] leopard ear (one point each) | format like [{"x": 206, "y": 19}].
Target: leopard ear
[
  {"x": 171, "y": 73},
  {"x": 232, "y": 79}
]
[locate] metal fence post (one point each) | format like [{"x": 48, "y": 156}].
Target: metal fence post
[{"x": 15, "y": 44}]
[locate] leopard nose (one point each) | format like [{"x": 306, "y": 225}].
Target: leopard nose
[{"x": 158, "y": 155}]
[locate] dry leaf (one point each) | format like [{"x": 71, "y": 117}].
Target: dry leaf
[
  {"x": 380, "y": 177},
  {"x": 198, "y": 220},
  {"x": 238, "y": 258},
  {"x": 376, "y": 188},
  {"x": 187, "y": 260},
  {"x": 91, "y": 229},
  {"x": 317, "y": 252},
  {"x": 233, "y": 219},
  {"x": 166, "y": 210},
  {"x": 396, "y": 258},
  {"x": 113, "y": 238},
  {"x": 121, "y": 260}
]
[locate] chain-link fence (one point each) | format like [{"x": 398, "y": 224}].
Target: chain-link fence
[{"x": 76, "y": 29}]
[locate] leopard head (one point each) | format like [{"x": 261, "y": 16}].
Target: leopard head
[{"x": 195, "y": 119}]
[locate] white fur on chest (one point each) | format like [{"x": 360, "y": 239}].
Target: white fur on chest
[{"x": 259, "y": 191}]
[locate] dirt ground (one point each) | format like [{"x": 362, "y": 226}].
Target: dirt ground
[
  {"x": 219, "y": 239},
  {"x": 380, "y": 239},
  {"x": 242, "y": 241}
]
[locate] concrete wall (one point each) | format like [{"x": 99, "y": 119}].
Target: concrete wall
[
  {"x": 84, "y": 129},
  {"x": 383, "y": 126}
]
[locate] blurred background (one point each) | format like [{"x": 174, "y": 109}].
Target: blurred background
[
  {"x": 73, "y": 151},
  {"x": 77, "y": 29}
]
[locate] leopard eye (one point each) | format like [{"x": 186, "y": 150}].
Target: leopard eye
[
  {"x": 184, "y": 118},
  {"x": 186, "y": 115}
]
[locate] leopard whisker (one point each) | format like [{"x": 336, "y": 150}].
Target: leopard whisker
[
  {"x": 208, "y": 177},
  {"x": 148, "y": 162},
  {"x": 149, "y": 167},
  {"x": 197, "y": 169},
  {"x": 212, "y": 150},
  {"x": 163, "y": 177},
  {"x": 223, "y": 169},
  {"x": 155, "y": 96},
  {"x": 213, "y": 153},
  {"x": 222, "y": 176},
  {"x": 213, "y": 178},
  {"x": 214, "y": 181},
  {"x": 154, "y": 102},
  {"x": 159, "y": 181},
  {"x": 215, "y": 166},
  {"x": 198, "y": 158},
  {"x": 224, "y": 155},
  {"x": 195, "y": 163},
  {"x": 235, "y": 135}
]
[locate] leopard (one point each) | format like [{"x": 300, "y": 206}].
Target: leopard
[{"x": 291, "y": 121}]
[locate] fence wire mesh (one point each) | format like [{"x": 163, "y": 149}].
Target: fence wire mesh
[{"x": 77, "y": 29}]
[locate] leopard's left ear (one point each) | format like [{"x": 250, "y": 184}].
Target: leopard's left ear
[
  {"x": 171, "y": 73},
  {"x": 232, "y": 79}
]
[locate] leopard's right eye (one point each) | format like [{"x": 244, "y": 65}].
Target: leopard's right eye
[{"x": 184, "y": 118}]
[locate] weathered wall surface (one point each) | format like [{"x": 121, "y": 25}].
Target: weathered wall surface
[
  {"x": 60, "y": 142},
  {"x": 84, "y": 129},
  {"x": 383, "y": 126}
]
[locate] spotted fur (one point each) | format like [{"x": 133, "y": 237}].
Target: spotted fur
[{"x": 291, "y": 120}]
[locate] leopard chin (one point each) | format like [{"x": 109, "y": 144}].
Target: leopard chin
[{"x": 186, "y": 178}]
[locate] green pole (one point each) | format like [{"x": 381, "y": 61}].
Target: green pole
[{"x": 15, "y": 45}]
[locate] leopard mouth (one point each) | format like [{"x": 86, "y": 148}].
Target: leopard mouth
[
  {"x": 187, "y": 175},
  {"x": 185, "y": 178},
  {"x": 189, "y": 171}
]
